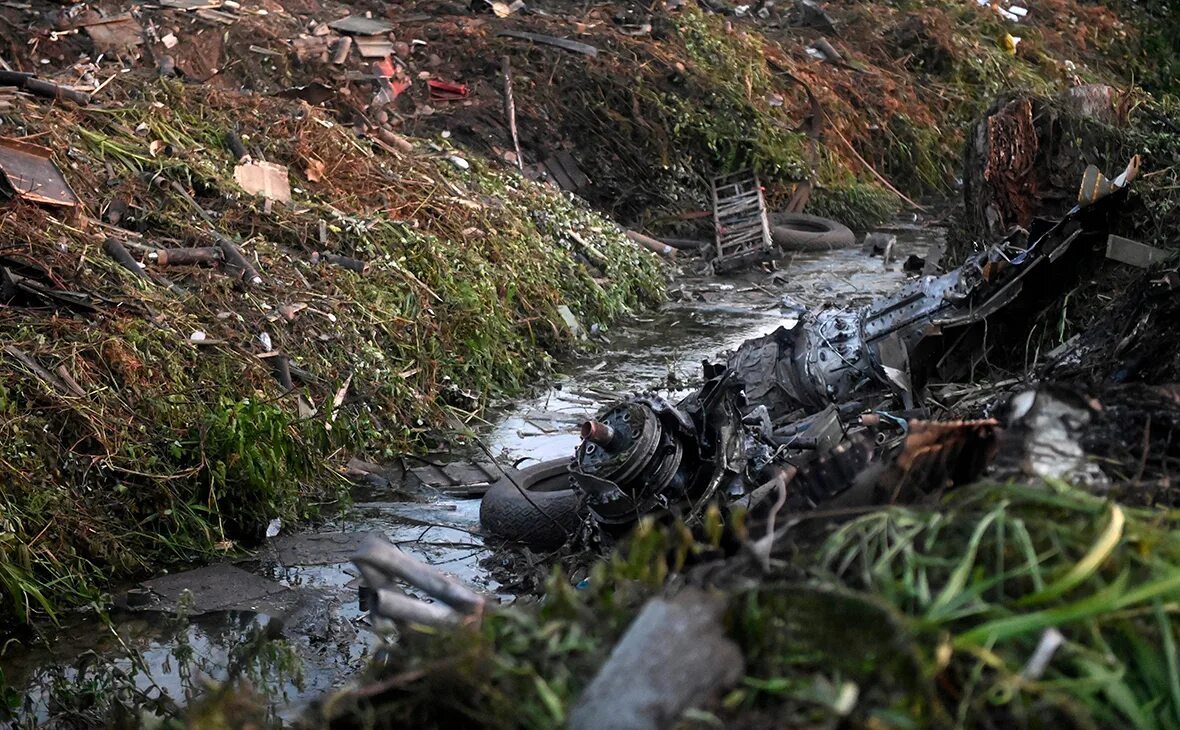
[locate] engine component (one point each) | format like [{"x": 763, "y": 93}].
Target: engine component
[
  {"x": 833, "y": 355},
  {"x": 632, "y": 459}
]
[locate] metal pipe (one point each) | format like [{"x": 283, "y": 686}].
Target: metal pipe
[{"x": 598, "y": 433}]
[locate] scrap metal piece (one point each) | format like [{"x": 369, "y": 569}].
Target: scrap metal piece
[
  {"x": 358, "y": 25},
  {"x": 629, "y": 459},
  {"x": 739, "y": 217},
  {"x": 28, "y": 172},
  {"x": 549, "y": 40},
  {"x": 1126, "y": 251}
]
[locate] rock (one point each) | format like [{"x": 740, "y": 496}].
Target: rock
[{"x": 673, "y": 657}]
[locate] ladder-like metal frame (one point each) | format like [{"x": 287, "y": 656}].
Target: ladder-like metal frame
[{"x": 739, "y": 216}]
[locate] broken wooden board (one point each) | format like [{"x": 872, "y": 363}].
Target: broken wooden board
[
  {"x": 373, "y": 47},
  {"x": 117, "y": 33},
  {"x": 264, "y": 178},
  {"x": 564, "y": 170},
  {"x": 28, "y": 172},
  {"x": 460, "y": 479}
]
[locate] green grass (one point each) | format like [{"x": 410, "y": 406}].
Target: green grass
[
  {"x": 907, "y": 617},
  {"x": 179, "y": 452}
]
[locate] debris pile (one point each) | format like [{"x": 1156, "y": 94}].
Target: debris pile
[{"x": 770, "y": 502}]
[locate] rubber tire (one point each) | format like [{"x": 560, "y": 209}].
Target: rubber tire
[
  {"x": 801, "y": 232},
  {"x": 508, "y": 515}
]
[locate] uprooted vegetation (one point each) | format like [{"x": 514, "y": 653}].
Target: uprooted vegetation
[{"x": 179, "y": 440}]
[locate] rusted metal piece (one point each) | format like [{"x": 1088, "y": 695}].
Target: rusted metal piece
[
  {"x": 739, "y": 218},
  {"x": 186, "y": 256},
  {"x": 446, "y": 90},
  {"x": 39, "y": 87},
  {"x": 28, "y": 172},
  {"x": 598, "y": 432}
]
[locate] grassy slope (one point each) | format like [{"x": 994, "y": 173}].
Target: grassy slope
[{"x": 177, "y": 450}]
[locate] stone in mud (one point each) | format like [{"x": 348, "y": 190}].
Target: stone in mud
[
  {"x": 221, "y": 587},
  {"x": 325, "y": 548},
  {"x": 674, "y": 656}
]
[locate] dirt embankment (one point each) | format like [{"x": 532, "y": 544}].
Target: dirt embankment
[{"x": 149, "y": 420}]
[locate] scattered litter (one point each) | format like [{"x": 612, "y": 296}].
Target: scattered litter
[
  {"x": 1050, "y": 642},
  {"x": 197, "y": 336},
  {"x": 273, "y": 528},
  {"x": 264, "y": 178},
  {"x": 459, "y": 162},
  {"x": 570, "y": 320},
  {"x": 503, "y": 9}
]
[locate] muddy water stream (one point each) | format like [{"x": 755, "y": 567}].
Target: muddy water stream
[{"x": 291, "y": 617}]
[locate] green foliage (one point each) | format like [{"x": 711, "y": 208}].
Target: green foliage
[
  {"x": 904, "y": 617},
  {"x": 858, "y": 205},
  {"x": 180, "y": 452},
  {"x": 253, "y": 459}
]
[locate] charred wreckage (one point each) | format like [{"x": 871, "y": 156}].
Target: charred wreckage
[{"x": 814, "y": 404}]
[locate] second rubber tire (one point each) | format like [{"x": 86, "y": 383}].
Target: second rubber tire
[
  {"x": 801, "y": 232},
  {"x": 545, "y": 519}
]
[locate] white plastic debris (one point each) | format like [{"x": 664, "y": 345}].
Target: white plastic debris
[
  {"x": 264, "y": 339},
  {"x": 272, "y": 529},
  {"x": 1050, "y": 642},
  {"x": 459, "y": 162},
  {"x": 197, "y": 336}
]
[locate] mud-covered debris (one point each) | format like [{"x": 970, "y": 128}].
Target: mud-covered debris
[
  {"x": 360, "y": 25},
  {"x": 114, "y": 34},
  {"x": 1044, "y": 434},
  {"x": 673, "y": 657}
]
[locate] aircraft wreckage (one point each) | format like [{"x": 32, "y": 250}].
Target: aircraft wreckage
[{"x": 836, "y": 383}]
